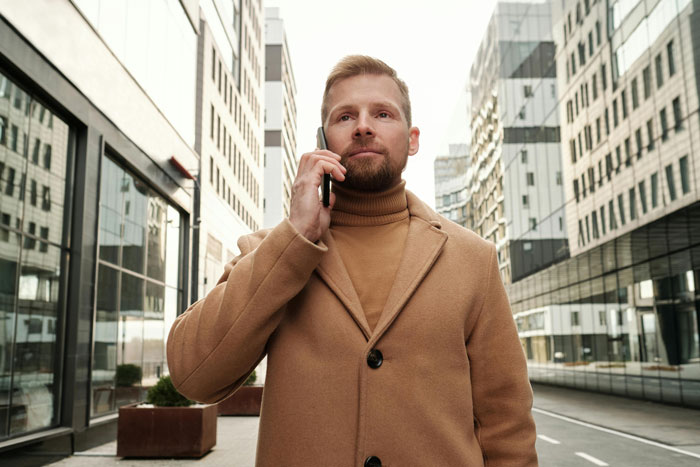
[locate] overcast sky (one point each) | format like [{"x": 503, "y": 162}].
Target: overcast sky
[{"x": 431, "y": 44}]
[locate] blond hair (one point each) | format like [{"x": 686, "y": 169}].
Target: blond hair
[{"x": 354, "y": 65}]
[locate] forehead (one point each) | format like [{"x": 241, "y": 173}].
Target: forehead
[{"x": 364, "y": 90}]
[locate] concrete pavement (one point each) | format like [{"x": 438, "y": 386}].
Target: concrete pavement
[{"x": 672, "y": 426}]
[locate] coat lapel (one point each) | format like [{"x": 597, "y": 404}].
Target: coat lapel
[
  {"x": 333, "y": 272},
  {"x": 424, "y": 243}
]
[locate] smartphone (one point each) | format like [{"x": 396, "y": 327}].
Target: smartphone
[{"x": 326, "y": 186}]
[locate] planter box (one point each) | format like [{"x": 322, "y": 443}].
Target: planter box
[
  {"x": 247, "y": 400},
  {"x": 166, "y": 431}
]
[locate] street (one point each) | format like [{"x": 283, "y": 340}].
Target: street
[{"x": 562, "y": 441}]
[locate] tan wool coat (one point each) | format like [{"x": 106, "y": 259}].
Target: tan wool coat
[{"x": 450, "y": 389}]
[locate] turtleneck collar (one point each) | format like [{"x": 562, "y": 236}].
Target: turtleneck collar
[{"x": 357, "y": 208}]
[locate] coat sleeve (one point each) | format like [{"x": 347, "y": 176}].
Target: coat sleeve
[
  {"x": 501, "y": 391},
  {"x": 219, "y": 340}
]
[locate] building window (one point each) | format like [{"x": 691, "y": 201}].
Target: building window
[
  {"x": 650, "y": 134},
  {"x": 664, "y": 124},
  {"x": 525, "y": 201},
  {"x": 602, "y": 218},
  {"x": 602, "y": 318},
  {"x": 523, "y": 156},
  {"x": 530, "y": 178},
  {"x": 615, "y": 118},
  {"x": 603, "y": 77},
  {"x": 685, "y": 180},
  {"x": 576, "y": 190},
  {"x": 45, "y": 198},
  {"x": 635, "y": 94},
  {"x": 621, "y": 208},
  {"x": 527, "y": 90},
  {"x": 633, "y": 204},
  {"x": 607, "y": 123},
  {"x": 628, "y": 152},
  {"x": 623, "y": 100},
  {"x": 646, "y": 77},
  {"x": 533, "y": 224},
  {"x": 558, "y": 178},
  {"x": 643, "y": 196},
  {"x": 594, "y": 221},
  {"x": 581, "y": 238},
  {"x": 213, "y": 64},
  {"x": 618, "y": 156},
  {"x": 597, "y": 33},
  {"x": 591, "y": 179},
  {"x": 590, "y": 43},
  {"x": 211, "y": 129},
  {"x": 211, "y": 170},
  {"x": 608, "y": 165},
  {"x": 670, "y": 182},
  {"x": 594, "y": 85},
  {"x": 597, "y": 130},
  {"x": 671, "y": 60},
  {"x": 659, "y": 71},
  {"x": 611, "y": 213},
  {"x": 638, "y": 139},
  {"x": 677, "y": 114},
  {"x": 654, "y": 190}
]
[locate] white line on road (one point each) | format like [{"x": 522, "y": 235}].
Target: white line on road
[
  {"x": 615, "y": 432},
  {"x": 548, "y": 439},
  {"x": 590, "y": 458}
]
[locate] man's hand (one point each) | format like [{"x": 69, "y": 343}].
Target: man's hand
[{"x": 306, "y": 212}]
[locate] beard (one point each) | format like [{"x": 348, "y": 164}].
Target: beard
[{"x": 372, "y": 174}]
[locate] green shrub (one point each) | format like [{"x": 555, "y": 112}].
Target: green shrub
[
  {"x": 164, "y": 394},
  {"x": 251, "y": 379},
  {"x": 128, "y": 374}
]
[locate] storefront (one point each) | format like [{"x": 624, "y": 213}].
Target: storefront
[{"x": 94, "y": 255}]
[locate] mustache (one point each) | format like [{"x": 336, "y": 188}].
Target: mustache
[{"x": 360, "y": 146}]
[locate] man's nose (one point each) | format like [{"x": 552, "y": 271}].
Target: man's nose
[{"x": 363, "y": 127}]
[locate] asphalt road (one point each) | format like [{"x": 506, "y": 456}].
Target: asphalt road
[{"x": 566, "y": 442}]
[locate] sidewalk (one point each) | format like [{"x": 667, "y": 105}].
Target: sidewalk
[{"x": 236, "y": 437}]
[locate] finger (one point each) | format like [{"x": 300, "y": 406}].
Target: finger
[
  {"x": 326, "y": 152},
  {"x": 323, "y": 167}
]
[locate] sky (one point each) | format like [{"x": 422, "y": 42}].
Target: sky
[{"x": 431, "y": 45}]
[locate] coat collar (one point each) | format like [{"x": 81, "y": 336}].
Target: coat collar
[{"x": 424, "y": 242}]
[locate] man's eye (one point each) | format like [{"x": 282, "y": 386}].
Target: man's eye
[
  {"x": 383, "y": 115},
  {"x": 344, "y": 118}
]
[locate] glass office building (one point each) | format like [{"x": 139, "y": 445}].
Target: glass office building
[
  {"x": 94, "y": 220},
  {"x": 621, "y": 315}
]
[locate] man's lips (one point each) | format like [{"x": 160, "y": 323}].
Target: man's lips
[{"x": 365, "y": 152}]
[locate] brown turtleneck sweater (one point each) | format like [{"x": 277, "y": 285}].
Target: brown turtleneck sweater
[{"x": 370, "y": 231}]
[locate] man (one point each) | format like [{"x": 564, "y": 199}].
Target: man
[{"x": 387, "y": 329}]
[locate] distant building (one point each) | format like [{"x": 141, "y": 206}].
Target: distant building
[
  {"x": 280, "y": 121},
  {"x": 451, "y": 183},
  {"x": 516, "y": 192},
  {"x": 230, "y": 115}
]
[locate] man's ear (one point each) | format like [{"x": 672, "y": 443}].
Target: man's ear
[{"x": 413, "y": 136}]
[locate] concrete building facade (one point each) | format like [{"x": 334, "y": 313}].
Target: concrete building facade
[
  {"x": 230, "y": 114},
  {"x": 280, "y": 121},
  {"x": 516, "y": 194}
]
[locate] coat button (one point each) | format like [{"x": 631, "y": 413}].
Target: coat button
[
  {"x": 373, "y": 461},
  {"x": 375, "y": 358}
]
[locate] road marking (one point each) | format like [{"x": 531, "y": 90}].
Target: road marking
[
  {"x": 615, "y": 432},
  {"x": 590, "y": 458},
  {"x": 548, "y": 439}
]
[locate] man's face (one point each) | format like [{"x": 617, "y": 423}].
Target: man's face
[{"x": 368, "y": 129}]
